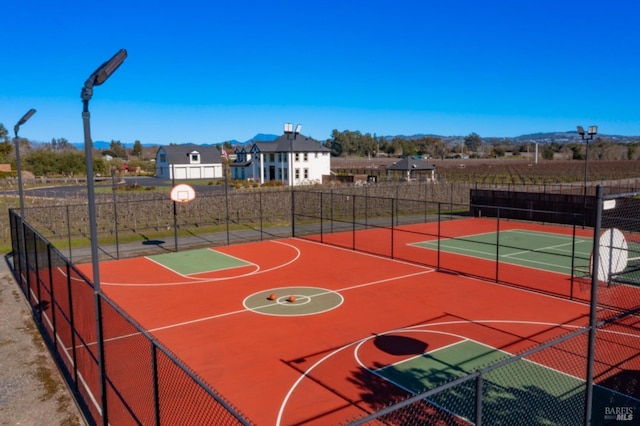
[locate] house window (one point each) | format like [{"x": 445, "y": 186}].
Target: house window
[
  {"x": 272, "y": 157},
  {"x": 297, "y": 157},
  {"x": 163, "y": 158},
  {"x": 305, "y": 157},
  {"x": 316, "y": 155},
  {"x": 306, "y": 173},
  {"x": 297, "y": 174},
  {"x": 194, "y": 157}
]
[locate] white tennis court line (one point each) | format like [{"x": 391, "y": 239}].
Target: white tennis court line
[{"x": 484, "y": 255}]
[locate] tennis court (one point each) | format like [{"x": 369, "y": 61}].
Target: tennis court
[{"x": 534, "y": 249}]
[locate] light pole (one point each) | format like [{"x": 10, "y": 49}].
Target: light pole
[
  {"x": 591, "y": 131},
  {"x": 291, "y": 136},
  {"x": 16, "y": 128},
  {"x": 98, "y": 77}
]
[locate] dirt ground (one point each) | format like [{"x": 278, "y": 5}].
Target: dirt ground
[{"x": 32, "y": 391}]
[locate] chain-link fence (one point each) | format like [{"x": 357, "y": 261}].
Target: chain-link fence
[
  {"x": 116, "y": 371},
  {"x": 587, "y": 377},
  {"x": 598, "y": 367}
]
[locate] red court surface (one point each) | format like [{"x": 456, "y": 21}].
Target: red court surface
[{"x": 316, "y": 367}]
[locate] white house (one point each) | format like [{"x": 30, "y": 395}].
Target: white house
[
  {"x": 269, "y": 161},
  {"x": 188, "y": 161}
]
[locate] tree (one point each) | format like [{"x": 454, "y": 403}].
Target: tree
[
  {"x": 547, "y": 153},
  {"x": 5, "y": 144},
  {"x": 118, "y": 149},
  {"x": 498, "y": 151},
  {"x": 473, "y": 142},
  {"x": 61, "y": 144},
  {"x": 137, "y": 148}
]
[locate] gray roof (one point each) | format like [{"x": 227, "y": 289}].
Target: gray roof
[
  {"x": 178, "y": 154},
  {"x": 301, "y": 143},
  {"x": 411, "y": 163}
]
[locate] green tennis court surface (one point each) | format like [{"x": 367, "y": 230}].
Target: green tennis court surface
[
  {"x": 528, "y": 391},
  {"x": 542, "y": 250},
  {"x": 197, "y": 261}
]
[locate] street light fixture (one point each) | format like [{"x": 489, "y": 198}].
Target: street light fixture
[
  {"x": 291, "y": 136},
  {"x": 16, "y": 128},
  {"x": 591, "y": 132},
  {"x": 98, "y": 77}
]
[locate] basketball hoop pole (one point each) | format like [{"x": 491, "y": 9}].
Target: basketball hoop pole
[{"x": 175, "y": 211}]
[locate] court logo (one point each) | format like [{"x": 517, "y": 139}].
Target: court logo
[{"x": 623, "y": 414}]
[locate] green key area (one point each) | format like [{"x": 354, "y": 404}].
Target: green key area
[{"x": 197, "y": 261}]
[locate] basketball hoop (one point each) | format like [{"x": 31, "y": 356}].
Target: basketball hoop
[
  {"x": 182, "y": 193},
  {"x": 613, "y": 255}
]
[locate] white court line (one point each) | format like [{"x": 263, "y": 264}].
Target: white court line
[
  {"x": 240, "y": 311},
  {"x": 192, "y": 281}
]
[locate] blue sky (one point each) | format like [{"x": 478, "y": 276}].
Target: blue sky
[{"x": 210, "y": 71}]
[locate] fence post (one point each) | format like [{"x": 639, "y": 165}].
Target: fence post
[
  {"x": 573, "y": 257},
  {"x": 479, "y": 385},
  {"x": 156, "y": 391},
  {"x": 439, "y": 220},
  {"x": 39, "y": 305},
  {"x": 331, "y": 209},
  {"x": 261, "y": 214},
  {"x": 593, "y": 308},
  {"x": 115, "y": 210},
  {"x": 25, "y": 263},
  {"x": 293, "y": 209},
  {"x": 53, "y": 298},
  {"x": 69, "y": 235},
  {"x": 392, "y": 229},
  {"x": 72, "y": 325},
  {"x": 498, "y": 244},
  {"x": 353, "y": 222},
  {"x": 321, "y": 218}
]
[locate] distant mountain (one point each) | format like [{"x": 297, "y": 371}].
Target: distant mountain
[
  {"x": 260, "y": 137},
  {"x": 541, "y": 137}
]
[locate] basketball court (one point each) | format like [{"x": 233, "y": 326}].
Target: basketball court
[{"x": 296, "y": 332}]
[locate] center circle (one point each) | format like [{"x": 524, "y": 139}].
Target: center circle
[
  {"x": 293, "y": 301},
  {"x": 297, "y": 301}
]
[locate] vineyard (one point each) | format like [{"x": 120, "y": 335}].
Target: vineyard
[
  {"x": 142, "y": 212},
  {"x": 518, "y": 172},
  {"x": 524, "y": 173}
]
